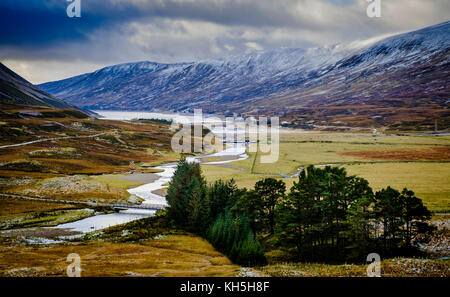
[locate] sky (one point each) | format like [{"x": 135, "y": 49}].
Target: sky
[{"x": 41, "y": 43}]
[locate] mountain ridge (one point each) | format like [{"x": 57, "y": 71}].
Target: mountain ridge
[{"x": 277, "y": 82}]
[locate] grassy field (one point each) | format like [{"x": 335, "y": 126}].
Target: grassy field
[
  {"x": 47, "y": 219},
  {"x": 71, "y": 165},
  {"x": 397, "y": 267},
  {"x": 152, "y": 247},
  {"x": 12, "y": 209},
  {"x": 177, "y": 255},
  {"x": 68, "y": 148},
  {"x": 421, "y": 163},
  {"x": 430, "y": 181},
  {"x": 26, "y": 214},
  {"x": 127, "y": 181},
  {"x": 148, "y": 247}
]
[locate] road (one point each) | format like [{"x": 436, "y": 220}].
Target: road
[{"x": 51, "y": 139}]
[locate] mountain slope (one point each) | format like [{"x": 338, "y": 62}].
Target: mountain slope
[
  {"x": 408, "y": 70},
  {"x": 16, "y": 90},
  {"x": 148, "y": 85}
]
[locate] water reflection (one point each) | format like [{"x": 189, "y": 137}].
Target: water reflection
[{"x": 106, "y": 220}]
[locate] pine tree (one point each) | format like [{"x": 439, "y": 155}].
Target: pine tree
[
  {"x": 198, "y": 211},
  {"x": 414, "y": 217},
  {"x": 388, "y": 210},
  {"x": 186, "y": 179},
  {"x": 270, "y": 191},
  {"x": 251, "y": 204},
  {"x": 221, "y": 196},
  {"x": 360, "y": 232}
]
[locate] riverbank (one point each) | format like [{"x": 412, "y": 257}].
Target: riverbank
[
  {"x": 147, "y": 247},
  {"x": 152, "y": 247}
]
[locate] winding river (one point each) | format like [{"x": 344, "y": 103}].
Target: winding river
[
  {"x": 148, "y": 192},
  {"x": 233, "y": 152}
]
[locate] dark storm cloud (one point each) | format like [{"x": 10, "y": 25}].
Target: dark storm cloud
[
  {"x": 34, "y": 33},
  {"x": 40, "y": 22}
]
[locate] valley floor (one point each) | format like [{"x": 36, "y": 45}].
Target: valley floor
[
  {"x": 174, "y": 255},
  {"x": 420, "y": 163},
  {"x": 98, "y": 169}
]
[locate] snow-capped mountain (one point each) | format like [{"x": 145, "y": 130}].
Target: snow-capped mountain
[{"x": 401, "y": 70}]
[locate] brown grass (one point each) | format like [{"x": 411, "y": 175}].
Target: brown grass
[
  {"x": 398, "y": 267},
  {"x": 180, "y": 255},
  {"x": 429, "y": 153},
  {"x": 10, "y": 209},
  {"x": 124, "y": 143}
]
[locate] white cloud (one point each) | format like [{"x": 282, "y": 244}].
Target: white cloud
[
  {"x": 254, "y": 46},
  {"x": 40, "y": 71}
]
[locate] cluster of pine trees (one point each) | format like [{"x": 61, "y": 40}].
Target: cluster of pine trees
[
  {"x": 329, "y": 216},
  {"x": 207, "y": 210},
  {"x": 326, "y": 216}
]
